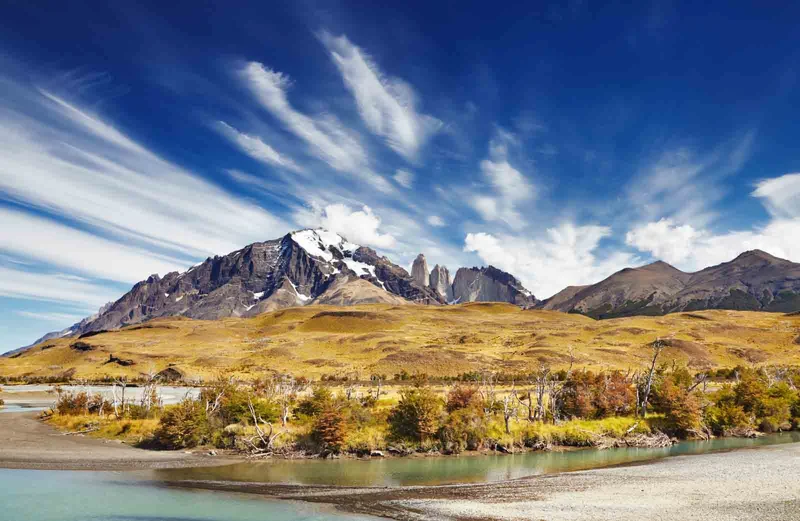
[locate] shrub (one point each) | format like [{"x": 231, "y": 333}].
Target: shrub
[
  {"x": 313, "y": 405},
  {"x": 598, "y": 395},
  {"x": 681, "y": 408},
  {"x": 72, "y": 404},
  {"x": 417, "y": 415},
  {"x": 461, "y": 397},
  {"x": 330, "y": 429},
  {"x": 183, "y": 425},
  {"x": 725, "y": 415},
  {"x": 464, "y": 429}
]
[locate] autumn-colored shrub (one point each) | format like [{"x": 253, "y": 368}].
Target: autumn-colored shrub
[
  {"x": 330, "y": 429},
  {"x": 681, "y": 407},
  {"x": 598, "y": 395},
  {"x": 71, "y": 404},
  {"x": 461, "y": 397}
]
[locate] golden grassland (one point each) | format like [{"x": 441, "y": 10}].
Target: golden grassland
[{"x": 438, "y": 341}]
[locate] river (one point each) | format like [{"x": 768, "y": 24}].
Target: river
[
  {"x": 36, "y": 495},
  {"x": 452, "y": 469}
]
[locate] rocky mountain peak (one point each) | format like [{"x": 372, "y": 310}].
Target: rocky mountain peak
[
  {"x": 490, "y": 284},
  {"x": 756, "y": 256},
  {"x": 301, "y": 268},
  {"x": 419, "y": 271},
  {"x": 440, "y": 282}
]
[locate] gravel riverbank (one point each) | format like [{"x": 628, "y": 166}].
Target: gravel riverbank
[{"x": 762, "y": 484}]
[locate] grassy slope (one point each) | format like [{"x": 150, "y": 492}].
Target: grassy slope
[{"x": 439, "y": 341}]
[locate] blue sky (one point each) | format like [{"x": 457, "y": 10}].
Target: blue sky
[{"x": 558, "y": 141}]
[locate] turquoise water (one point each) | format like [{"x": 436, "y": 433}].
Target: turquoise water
[
  {"x": 17, "y": 407},
  {"x": 452, "y": 469},
  {"x": 37, "y": 495}
]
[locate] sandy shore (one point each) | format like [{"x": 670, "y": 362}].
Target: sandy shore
[
  {"x": 26, "y": 442},
  {"x": 761, "y": 484}
]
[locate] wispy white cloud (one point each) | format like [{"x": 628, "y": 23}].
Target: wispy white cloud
[
  {"x": 325, "y": 135},
  {"x": 510, "y": 186},
  {"x": 53, "y": 287},
  {"x": 567, "y": 255},
  {"x": 254, "y": 147},
  {"x": 781, "y": 195},
  {"x": 61, "y": 318},
  {"x": 685, "y": 185},
  {"x": 56, "y": 244},
  {"x": 76, "y": 165},
  {"x": 387, "y": 105},
  {"x": 692, "y": 248},
  {"x": 404, "y": 178},
  {"x": 435, "y": 220}
]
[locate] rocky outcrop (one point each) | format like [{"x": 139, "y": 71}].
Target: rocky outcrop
[
  {"x": 440, "y": 282},
  {"x": 346, "y": 292},
  {"x": 490, "y": 285},
  {"x": 754, "y": 281},
  {"x": 395, "y": 279},
  {"x": 419, "y": 271}
]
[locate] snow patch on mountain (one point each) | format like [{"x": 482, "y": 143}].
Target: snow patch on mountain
[{"x": 318, "y": 243}]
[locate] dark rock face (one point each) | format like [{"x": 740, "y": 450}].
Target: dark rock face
[
  {"x": 490, "y": 285},
  {"x": 753, "y": 281}
]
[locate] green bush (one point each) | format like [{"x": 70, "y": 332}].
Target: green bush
[
  {"x": 464, "y": 429},
  {"x": 417, "y": 415},
  {"x": 726, "y": 415},
  {"x": 184, "y": 425},
  {"x": 320, "y": 398}
]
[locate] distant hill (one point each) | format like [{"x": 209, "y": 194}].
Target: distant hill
[{"x": 753, "y": 281}]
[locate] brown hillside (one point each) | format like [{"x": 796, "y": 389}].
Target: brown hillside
[{"x": 385, "y": 339}]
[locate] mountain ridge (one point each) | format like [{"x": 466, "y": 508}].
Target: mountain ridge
[
  {"x": 755, "y": 281},
  {"x": 301, "y": 268}
]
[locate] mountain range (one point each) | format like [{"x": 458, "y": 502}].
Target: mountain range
[
  {"x": 301, "y": 268},
  {"x": 321, "y": 267},
  {"x": 753, "y": 281}
]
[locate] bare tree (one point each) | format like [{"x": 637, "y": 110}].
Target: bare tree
[
  {"x": 510, "y": 405},
  {"x": 150, "y": 397},
  {"x": 284, "y": 390},
  {"x": 120, "y": 405},
  {"x": 488, "y": 392},
  {"x": 658, "y": 345},
  {"x": 263, "y": 442},
  {"x": 376, "y": 383},
  {"x": 556, "y": 387}
]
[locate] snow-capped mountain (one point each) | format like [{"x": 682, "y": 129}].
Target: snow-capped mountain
[{"x": 301, "y": 268}]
